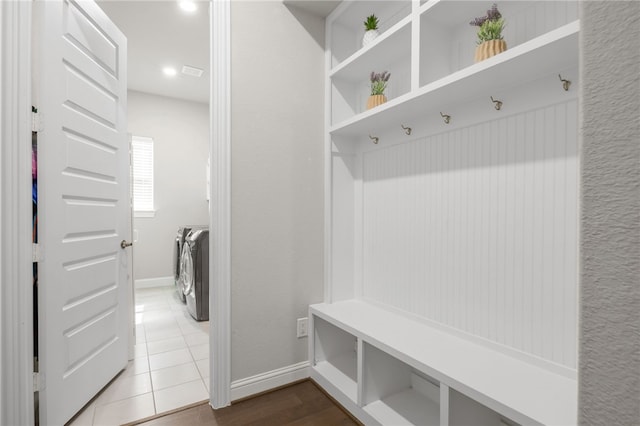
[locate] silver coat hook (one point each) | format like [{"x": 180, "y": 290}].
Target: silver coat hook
[
  {"x": 375, "y": 139},
  {"x": 447, "y": 118},
  {"x": 407, "y": 130},
  {"x": 497, "y": 104},
  {"x": 565, "y": 83}
]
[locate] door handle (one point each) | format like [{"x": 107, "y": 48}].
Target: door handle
[{"x": 124, "y": 244}]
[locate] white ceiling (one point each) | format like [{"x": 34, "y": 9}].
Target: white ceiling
[
  {"x": 159, "y": 34},
  {"x": 320, "y": 8}
]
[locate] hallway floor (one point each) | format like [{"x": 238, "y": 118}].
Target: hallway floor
[
  {"x": 170, "y": 369},
  {"x": 296, "y": 405}
]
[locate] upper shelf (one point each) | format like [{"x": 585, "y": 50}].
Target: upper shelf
[
  {"x": 536, "y": 58},
  {"x": 390, "y": 47},
  {"x": 449, "y": 13},
  {"x": 346, "y": 25}
]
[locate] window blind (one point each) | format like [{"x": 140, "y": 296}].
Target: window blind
[{"x": 142, "y": 159}]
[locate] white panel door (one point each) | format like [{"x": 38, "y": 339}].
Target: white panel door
[{"x": 83, "y": 206}]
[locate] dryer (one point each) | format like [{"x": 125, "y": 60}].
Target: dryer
[
  {"x": 177, "y": 253},
  {"x": 195, "y": 273}
]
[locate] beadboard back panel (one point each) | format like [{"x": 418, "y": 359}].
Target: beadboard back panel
[{"x": 477, "y": 229}]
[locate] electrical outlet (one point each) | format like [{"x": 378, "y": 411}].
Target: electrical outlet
[{"x": 302, "y": 329}]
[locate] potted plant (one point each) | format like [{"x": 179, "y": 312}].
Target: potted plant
[
  {"x": 378, "y": 85},
  {"x": 490, "y": 41},
  {"x": 370, "y": 30}
]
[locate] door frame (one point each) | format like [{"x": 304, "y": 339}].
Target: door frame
[
  {"x": 220, "y": 203},
  {"x": 16, "y": 299},
  {"x": 16, "y": 302}
]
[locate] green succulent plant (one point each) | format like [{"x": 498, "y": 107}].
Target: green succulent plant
[
  {"x": 371, "y": 23},
  {"x": 491, "y": 30}
]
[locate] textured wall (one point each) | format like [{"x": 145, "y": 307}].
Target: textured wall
[
  {"x": 180, "y": 131},
  {"x": 276, "y": 182},
  {"x": 609, "y": 373}
]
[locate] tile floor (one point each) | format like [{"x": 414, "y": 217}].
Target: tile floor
[{"x": 170, "y": 368}]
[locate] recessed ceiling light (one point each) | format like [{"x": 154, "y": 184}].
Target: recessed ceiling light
[
  {"x": 169, "y": 71},
  {"x": 188, "y": 6}
]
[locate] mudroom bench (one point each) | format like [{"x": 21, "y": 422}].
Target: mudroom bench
[{"x": 390, "y": 369}]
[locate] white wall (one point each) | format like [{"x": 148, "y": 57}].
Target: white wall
[
  {"x": 180, "y": 130},
  {"x": 609, "y": 371},
  {"x": 276, "y": 182}
]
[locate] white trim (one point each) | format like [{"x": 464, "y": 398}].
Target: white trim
[
  {"x": 220, "y": 212},
  {"x": 16, "y": 299},
  {"x": 328, "y": 165},
  {"x": 144, "y": 213},
  {"x": 154, "y": 282},
  {"x": 271, "y": 379}
]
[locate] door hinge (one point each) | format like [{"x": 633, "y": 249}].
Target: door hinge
[
  {"x": 36, "y": 255},
  {"x": 36, "y": 123},
  {"x": 38, "y": 381}
]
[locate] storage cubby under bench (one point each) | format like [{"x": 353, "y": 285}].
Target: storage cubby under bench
[{"x": 387, "y": 368}]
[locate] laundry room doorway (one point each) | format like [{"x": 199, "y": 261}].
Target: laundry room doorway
[
  {"x": 21, "y": 71},
  {"x": 168, "y": 123}
]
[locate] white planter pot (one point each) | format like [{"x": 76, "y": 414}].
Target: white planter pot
[{"x": 369, "y": 36}]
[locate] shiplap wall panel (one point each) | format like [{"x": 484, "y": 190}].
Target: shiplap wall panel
[{"x": 477, "y": 229}]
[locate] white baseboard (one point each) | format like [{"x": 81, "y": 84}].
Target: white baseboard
[
  {"x": 154, "y": 282},
  {"x": 271, "y": 379}
]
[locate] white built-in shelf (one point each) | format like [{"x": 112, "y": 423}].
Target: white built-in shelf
[
  {"x": 455, "y": 12},
  {"x": 547, "y": 54},
  {"x": 347, "y": 29},
  {"x": 437, "y": 347},
  {"x": 408, "y": 407},
  {"x": 340, "y": 372},
  {"x": 390, "y": 47},
  {"x": 335, "y": 358},
  {"x": 517, "y": 389}
]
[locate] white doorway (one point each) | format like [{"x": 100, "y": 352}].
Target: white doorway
[
  {"x": 169, "y": 365},
  {"x": 17, "y": 367},
  {"x": 83, "y": 221}
]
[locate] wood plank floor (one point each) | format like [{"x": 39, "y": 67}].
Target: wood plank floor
[{"x": 297, "y": 405}]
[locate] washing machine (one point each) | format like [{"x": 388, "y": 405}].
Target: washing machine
[
  {"x": 194, "y": 272},
  {"x": 182, "y": 233}
]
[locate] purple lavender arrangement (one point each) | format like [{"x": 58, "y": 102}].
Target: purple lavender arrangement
[
  {"x": 490, "y": 25},
  {"x": 379, "y": 82},
  {"x": 492, "y": 14}
]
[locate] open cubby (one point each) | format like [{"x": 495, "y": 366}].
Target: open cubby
[
  {"x": 464, "y": 411},
  {"x": 396, "y": 394},
  {"x": 348, "y": 29},
  {"x": 448, "y": 42},
  {"x": 350, "y": 86},
  {"x": 335, "y": 356}
]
